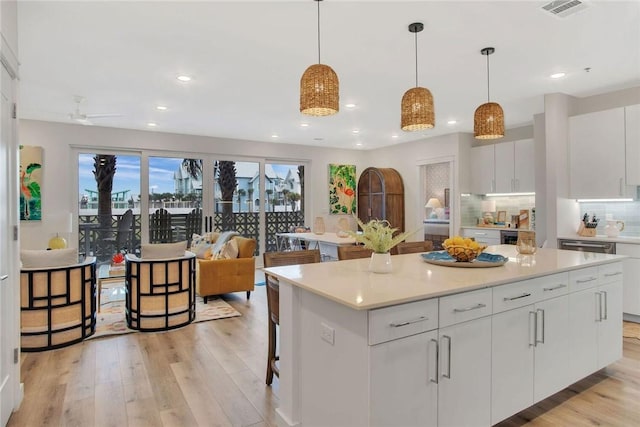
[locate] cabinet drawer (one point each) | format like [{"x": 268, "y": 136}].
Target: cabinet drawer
[
  {"x": 481, "y": 234},
  {"x": 465, "y": 306},
  {"x": 514, "y": 295},
  {"x": 610, "y": 273},
  {"x": 390, "y": 323},
  {"x": 554, "y": 285},
  {"x": 583, "y": 279}
]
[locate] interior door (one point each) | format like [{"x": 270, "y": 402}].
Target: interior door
[{"x": 8, "y": 325}]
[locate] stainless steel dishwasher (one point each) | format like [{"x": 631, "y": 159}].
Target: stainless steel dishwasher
[{"x": 587, "y": 246}]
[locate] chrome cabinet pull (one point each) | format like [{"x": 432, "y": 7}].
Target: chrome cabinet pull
[
  {"x": 590, "y": 279},
  {"x": 4, "y": 277},
  {"x": 408, "y": 322},
  {"x": 541, "y": 311},
  {"x": 448, "y": 374},
  {"x": 606, "y": 310},
  {"x": 533, "y": 342},
  {"x": 472, "y": 307},
  {"x": 599, "y": 302},
  {"x": 617, "y": 273},
  {"x": 437, "y": 360},
  {"x": 622, "y": 186},
  {"x": 553, "y": 288},
  {"x": 518, "y": 297}
]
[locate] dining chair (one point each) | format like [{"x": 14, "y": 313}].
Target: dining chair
[
  {"x": 275, "y": 259},
  {"x": 160, "y": 230},
  {"x": 414, "y": 247},
  {"x": 353, "y": 252}
]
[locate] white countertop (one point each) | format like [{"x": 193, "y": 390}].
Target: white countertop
[
  {"x": 603, "y": 238},
  {"x": 350, "y": 283}
]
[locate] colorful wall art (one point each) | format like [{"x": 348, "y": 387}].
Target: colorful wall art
[
  {"x": 30, "y": 183},
  {"x": 342, "y": 189}
]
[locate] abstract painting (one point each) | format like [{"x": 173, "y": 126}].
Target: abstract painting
[
  {"x": 342, "y": 189},
  {"x": 30, "y": 183}
]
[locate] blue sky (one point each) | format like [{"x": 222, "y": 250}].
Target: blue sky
[{"x": 127, "y": 176}]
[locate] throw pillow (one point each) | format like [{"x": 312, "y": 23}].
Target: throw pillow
[
  {"x": 229, "y": 250},
  {"x": 222, "y": 239},
  {"x": 45, "y": 258},
  {"x": 203, "y": 251},
  {"x": 163, "y": 250}
]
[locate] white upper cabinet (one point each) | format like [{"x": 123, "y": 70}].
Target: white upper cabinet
[
  {"x": 632, "y": 140},
  {"x": 483, "y": 166},
  {"x": 515, "y": 166},
  {"x": 597, "y": 155}
]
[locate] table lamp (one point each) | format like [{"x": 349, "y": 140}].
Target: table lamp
[
  {"x": 488, "y": 208},
  {"x": 434, "y": 204},
  {"x": 62, "y": 223}
]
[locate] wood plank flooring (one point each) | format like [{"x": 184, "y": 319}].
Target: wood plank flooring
[{"x": 212, "y": 374}]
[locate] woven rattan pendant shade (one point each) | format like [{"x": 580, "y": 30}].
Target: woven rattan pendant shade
[
  {"x": 319, "y": 91},
  {"x": 416, "y": 109},
  {"x": 488, "y": 120}
]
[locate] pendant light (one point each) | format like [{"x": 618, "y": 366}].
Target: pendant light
[
  {"x": 488, "y": 121},
  {"x": 319, "y": 87},
  {"x": 417, "y": 103}
]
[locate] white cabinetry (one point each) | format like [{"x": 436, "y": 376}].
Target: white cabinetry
[
  {"x": 632, "y": 143},
  {"x": 595, "y": 316},
  {"x": 506, "y": 167},
  {"x": 515, "y": 166},
  {"x": 631, "y": 281},
  {"x": 485, "y": 236},
  {"x": 530, "y": 353},
  {"x": 597, "y": 155}
]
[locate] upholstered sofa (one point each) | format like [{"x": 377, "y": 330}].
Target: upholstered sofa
[
  {"x": 160, "y": 292},
  {"x": 221, "y": 276},
  {"x": 57, "y": 299}
]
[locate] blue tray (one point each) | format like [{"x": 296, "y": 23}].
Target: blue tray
[{"x": 483, "y": 260}]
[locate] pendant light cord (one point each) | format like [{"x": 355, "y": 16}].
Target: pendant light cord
[
  {"x": 318, "y": 1},
  {"x": 487, "y": 77},
  {"x": 416, "y": 45}
]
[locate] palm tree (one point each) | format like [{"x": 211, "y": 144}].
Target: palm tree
[
  {"x": 301, "y": 178},
  {"x": 104, "y": 169},
  {"x": 268, "y": 198},
  {"x": 250, "y": 191},
  {"x": 285, "y": 197},
  {"x": 293, "y": 198},
  {"x": 241, "y": 193},
  {"x": 227, "y": 182}
]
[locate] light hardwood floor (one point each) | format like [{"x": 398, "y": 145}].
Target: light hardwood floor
[{"x": 212, "y": 374}]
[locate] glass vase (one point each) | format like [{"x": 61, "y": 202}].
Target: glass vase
[{"x": 318, "y": 225}]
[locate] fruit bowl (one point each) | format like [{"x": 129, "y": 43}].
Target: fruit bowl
[{"x": 463, "y": 253}]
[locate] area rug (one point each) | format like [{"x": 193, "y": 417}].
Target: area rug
[
  {"x": 110, "y": 320},
  {"x": 631, "y": 330}
]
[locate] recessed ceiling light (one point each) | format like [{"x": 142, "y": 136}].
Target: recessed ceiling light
[
  {"x": 355, "y": 131},
  {"x": 557, "y": 75},
  {"x": 274, "y": 135},
  {"x": 152, "y": 125},
  {"x": 161, "y": 107},
  {"x": 304, "y": 125},
  {"x": 350, "y": 105},
  {"x": 318, "y": 139},
  {"x": 358, "y": 144},
  {"x": 184, "y": 78},
  {"x": 394, "y": 136},
  {"x": 452, "y": 122}
]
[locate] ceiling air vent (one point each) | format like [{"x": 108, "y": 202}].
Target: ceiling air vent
[{"x": 564, "y": 8}]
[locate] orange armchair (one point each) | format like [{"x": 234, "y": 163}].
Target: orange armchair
[{"x": 221, "y": 276}]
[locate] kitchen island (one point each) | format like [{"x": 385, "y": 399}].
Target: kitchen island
[{"x": 436, "y": 345}]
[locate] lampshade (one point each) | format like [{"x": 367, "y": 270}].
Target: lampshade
[
  {"x": 433, "y": 203},
  {"x": 488, "y": 120},
  {"x": 416, "y": 109},
  {"x": 488, "y": 205},
  {"x": 319, "y": 87}
]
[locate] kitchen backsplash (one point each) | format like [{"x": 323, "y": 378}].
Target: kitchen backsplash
[
  {"x": 629, "y": 212},
  {"x": 471, "y": 206}
]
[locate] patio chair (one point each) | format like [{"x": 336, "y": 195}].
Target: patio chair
[
  {"x": 160, "y": 230},
  {"x": 193, "y": 224},
  {"x": 122, "y": 240}
]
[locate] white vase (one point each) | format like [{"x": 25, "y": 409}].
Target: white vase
[{"x": 380, "y": 263}]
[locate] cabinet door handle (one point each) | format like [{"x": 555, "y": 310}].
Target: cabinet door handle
[
  {"x": 448, "y": 374},
  {"x": 4, "y": 277},
  {"x": 408, "y": 322},
  {"x": 617, "y": 273},
  {"x": 435, "y": 380},
  {"x": 517, "y": 184},
  {"x": 553, "y": 288},
  {"x": 480, "y": 234},
  {"x": 471, "y": 307},
  {"x": 541, "y": 311},
  {"x": 599, "y": 302},
  {"x": 605, "y": 304},
  {"x": 590, "y": 279},
  {"x": 621, "y": 186},
  {"x": 533, "y": 342},
  {"x": 518, "y": 297}
]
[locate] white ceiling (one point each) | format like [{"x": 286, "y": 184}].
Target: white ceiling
[{"x": 246, "y": 59}]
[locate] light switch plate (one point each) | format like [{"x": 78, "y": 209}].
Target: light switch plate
[{"x": 327, "y": 333}]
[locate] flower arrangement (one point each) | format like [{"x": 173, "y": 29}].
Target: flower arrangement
[
  {"x": 117, "y": 258},
  {"x": 377, "y": 235}
]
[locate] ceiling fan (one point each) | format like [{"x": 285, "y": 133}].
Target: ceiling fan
[{"x": 85, "y": 119}]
